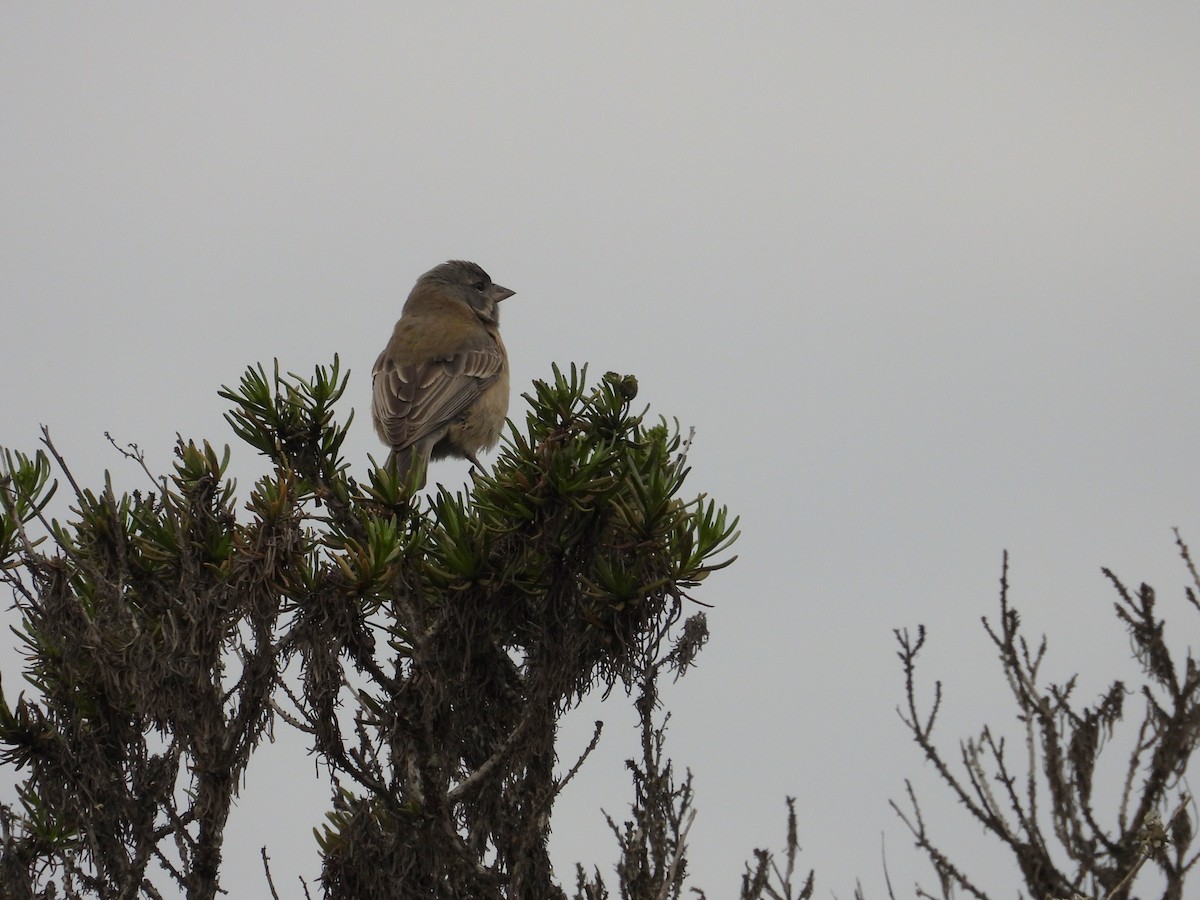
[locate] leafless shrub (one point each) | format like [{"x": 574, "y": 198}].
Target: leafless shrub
[{"x": 1040, "y": 801}]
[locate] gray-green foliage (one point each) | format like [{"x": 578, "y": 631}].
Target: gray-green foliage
[{"x": 426, "y": 648}]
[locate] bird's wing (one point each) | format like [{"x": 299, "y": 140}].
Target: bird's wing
[{"x": 413, "y": 401}]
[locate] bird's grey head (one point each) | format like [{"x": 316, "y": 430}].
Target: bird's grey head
[{"x": 472, "y": 284}]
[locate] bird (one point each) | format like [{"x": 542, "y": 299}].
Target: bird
[{"x": 440, "y": 386}]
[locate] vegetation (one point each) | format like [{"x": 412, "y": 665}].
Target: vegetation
[
  {"x": 1041, "y": 801},
  {"x": 428, "y": 648}
]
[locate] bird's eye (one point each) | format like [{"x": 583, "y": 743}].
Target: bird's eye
[{"x": 479, "y": 285}]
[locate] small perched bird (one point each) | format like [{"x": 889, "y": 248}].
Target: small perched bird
[{"x": 440, "y": 386}]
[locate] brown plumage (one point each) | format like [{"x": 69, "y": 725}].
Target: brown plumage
[{"x": 440, "y": 386}]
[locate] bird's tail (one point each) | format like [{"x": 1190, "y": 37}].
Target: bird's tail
[{"x": 411, "y": 464}]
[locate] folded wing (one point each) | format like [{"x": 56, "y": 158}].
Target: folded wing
[{"x": 413, "y": 402}]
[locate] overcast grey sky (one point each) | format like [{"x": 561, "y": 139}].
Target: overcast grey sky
[{"x": 924, "y": 277}]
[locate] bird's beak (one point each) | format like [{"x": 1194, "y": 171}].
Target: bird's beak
[{"x": 497, "y": 293}]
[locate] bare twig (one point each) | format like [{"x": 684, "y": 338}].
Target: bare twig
[{"x": 266, "y": 861}]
